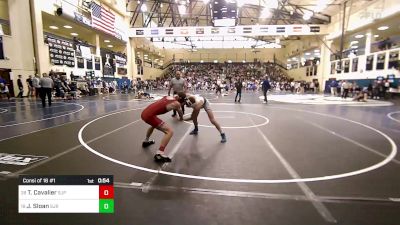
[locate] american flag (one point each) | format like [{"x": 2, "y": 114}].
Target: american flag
[{"x": 102, "y": 19}]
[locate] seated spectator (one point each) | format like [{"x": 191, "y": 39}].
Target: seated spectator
[{"x": 4, "y": 91}]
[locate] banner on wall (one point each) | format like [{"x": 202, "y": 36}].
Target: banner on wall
[
  {"x": 346, "y": 66},
  {"x": 380, "y": 61},
  {"x": 369, "y": 63},
  {"x": 354, "y": 67},
  {"x": 89, "y": 64},
  {"x": 122, "y": 71},
  {"x": 108, "y": 63},
  {"x": 61, "y": 52},
  {"x": 256, "y": 30},
  {"x": 97, "y": 63},
  {"x": 80, "y": 62},
  {"x": 86, "y": 52},
  {"x": 120, "y": 60},
  {"x": 333, "y": 67},
  {"x": 1, "y": 48},
  {"x": 394, "y": 59}
]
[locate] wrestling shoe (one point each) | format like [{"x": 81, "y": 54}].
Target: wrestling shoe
[
  {"x": 194, "y": 132},
  {"x": 223, "y": 138},
  {"x": 161, "y": 158},
  {"x": 146, "y": 144}
]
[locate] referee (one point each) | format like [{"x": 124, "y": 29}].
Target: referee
[{"x": 177, "y": 84}]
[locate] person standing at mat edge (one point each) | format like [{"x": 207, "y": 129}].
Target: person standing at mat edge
[
  {"x": 265, "y": 87},
  {"x": 238, "y": 86},
  {"x": 198, "y": 102},
  {"x": 20, "y": 87},
  {"x": 177, "y": 84},
  {"x": 46, "y": 84},
  {"x": 149, "y": 115}
]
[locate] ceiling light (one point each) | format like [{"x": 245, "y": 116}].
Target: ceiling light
[
  {"x": 294, "y": 58},
  {"x": 355, "y": 46},
  {"x": 307, "y": 53},
  {"x": 229, "y": 61},
  {"x": 383, "y": 28},
  {"x": 143, "y": 8},
  {"x": 376, "y": 35},
  {"x": 316, "y": 50},
  {"x": 307, "y": 15},
  {"x": 67, "y": 26},
  {"x": 244, "y": 61},
  {"x": 271, "y": 4},
  {"x": 53, "y": 27},
  {"x": 319, "y": 7},
  {"x": 359, "y": 36},
  {"x": 74, "y": 34},
  {"x": 215, "y": 61},
  {"x": 285, "y": 35},
  {"x": 182, "y": 9},
  {"x": 161, "y": 5},
  {"x": 110, "y": 46},
  {"x": 265, "y": 13},
  {"x": 201, "y": 61},
  {"x": 240, "y": 3},
  {"x": 107, "y": 41},
  {"x": 353, "y": 42}
]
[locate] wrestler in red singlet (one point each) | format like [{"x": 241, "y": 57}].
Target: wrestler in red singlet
[{"x": 149, "y": 115}]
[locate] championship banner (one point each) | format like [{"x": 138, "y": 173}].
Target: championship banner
[
  {"x": 80, "y": 62},
  {"x": 1, "y": 48},
  {"x": 89, "y": 64},
  {"x": 120, "y": 60},
  {"x": 333, "y": 67},
  {"x": 354, "y": 67},
  {"x": 370, "y": 63},
  {"x": 393, "y": 59},
  {"x": 61, "y": 52},
  {"x": 97, "y": 63},
  {"x": 380, "y": 61},
  {"x": 108, "y": 63},
  {"x": 255, "y": 30},
  {"x": 346, "y": 66}
]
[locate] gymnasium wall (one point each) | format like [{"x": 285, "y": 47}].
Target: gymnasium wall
[
  {"x": 18, "y": 47},
  {"x": 222, "y": 55}
]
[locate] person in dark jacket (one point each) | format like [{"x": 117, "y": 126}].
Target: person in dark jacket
[
  {"x": 265, "y": 87},
  {"x": 20, "y": 87},
  {"x": 238, "y": 87}
]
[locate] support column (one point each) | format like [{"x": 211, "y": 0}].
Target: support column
[
  {"x": 40, "y": 49},
  {"x": 324, "y": 66},
  {"x": 132, "y": 66},
  {"x": 19, "y": 47},
  {"x": 97, "y": 39},
  {"x": 368, "y": 40}
]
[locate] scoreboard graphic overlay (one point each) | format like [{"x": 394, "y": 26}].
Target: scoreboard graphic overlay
[{"x": 66, "y": 194}]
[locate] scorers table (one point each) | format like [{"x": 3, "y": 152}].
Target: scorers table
[{"x": 66, "y": 194}]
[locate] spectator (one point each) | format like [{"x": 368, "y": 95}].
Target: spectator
[
  {"x": 20, "y": 87},
  {"x": 238, "y": 87},
  {"x": 30, "y": 86},
  {"x": 46, "y": 84},
  {"x": 35, "y": 85},
  {"x": 265, "y": 87}
]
